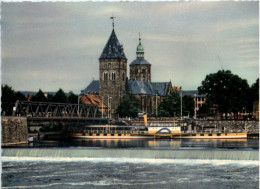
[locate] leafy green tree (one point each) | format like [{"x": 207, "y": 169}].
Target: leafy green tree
[
  {"x": 170, "y": 106},
  {"x": 188, "y": 105},
  {"x": 205, "y": 110},
  {"x": 225, "y": 90},
  {"x": 129, "y": 106},
  {"x": 8, "y": 97},
  {"x": 39, "y": 96},
  {"x": 50, "y": 98},
  {"x": 253, "y": 95},
  {"x": 60, "y": 96},
  {"x": 8, "y": 94},
  {"x": 72, "y": 98},
  {"x": 19, "y": 96}
]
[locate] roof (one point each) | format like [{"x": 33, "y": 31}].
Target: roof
[
  {"x": 92, "y": 99},
  {"x": 140, "y": 87},
  {"x": 148, "y": 88},
  {"x": 113, "y": 49},
  {"x": 192, "y": 93},
  {"x": 140, "y": 61},
  {"x": 135, "y": 86},
  {"x": 161, "y": 87},
  {"x": 93, "y": 87}
]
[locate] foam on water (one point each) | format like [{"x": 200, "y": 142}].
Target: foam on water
[{"x": 132, "y": 160}]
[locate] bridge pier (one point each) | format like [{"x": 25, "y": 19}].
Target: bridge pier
[{"x": 14, "y": 130}]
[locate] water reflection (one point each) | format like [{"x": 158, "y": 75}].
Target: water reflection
[{"x": 149, "y": 143}]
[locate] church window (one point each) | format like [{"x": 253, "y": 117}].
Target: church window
[
  {"x": 123, "y": 76},
  {"x": 113, "y": 76},
  {"x": 105, "y": 76},
  {"x": 143, "y": 70}
]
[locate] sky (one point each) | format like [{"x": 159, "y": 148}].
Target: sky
[{"x": 52, "y": 45}]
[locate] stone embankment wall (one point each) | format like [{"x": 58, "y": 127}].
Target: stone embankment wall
[
  {"x": 14, "y": 130},
  {"x": 229, "y": 125}
]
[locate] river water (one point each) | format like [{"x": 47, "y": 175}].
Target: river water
[{"x": 138, "y": 163}]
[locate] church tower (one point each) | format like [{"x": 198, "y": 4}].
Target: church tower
[
  {"x": 140, "y": 69},
  {"x": 112, "y": 72}
]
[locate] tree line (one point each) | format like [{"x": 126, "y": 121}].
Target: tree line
[{"x": 10, "y": 96}]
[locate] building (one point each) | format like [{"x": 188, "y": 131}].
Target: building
[{"x": 113, "y": 82}]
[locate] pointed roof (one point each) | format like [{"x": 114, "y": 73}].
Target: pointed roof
[{"x": 113, "y": 49}]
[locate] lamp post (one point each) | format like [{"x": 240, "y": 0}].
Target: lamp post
[
  {"x": 102, "y": 107},
  {"x": 110, "y": 99},
  {"x": 78, "y": 103},
  {"x": 181, "y": 101},
  {"x": 156, "y": 105},
  {"x": 195, "y": 111}
]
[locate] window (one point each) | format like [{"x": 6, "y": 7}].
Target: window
[
  {"x": 123, "y": 76},
  {"x": 143, "y": 70},
  {"x": 105, "y": 76},
  {"x": 136, "y": 71},
  {"x": 113, "y": 76}
]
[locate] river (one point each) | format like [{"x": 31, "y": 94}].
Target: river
[{"x": 139, "y": 163}]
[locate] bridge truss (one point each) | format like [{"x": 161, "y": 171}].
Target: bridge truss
[{"x": 50, "y": 109}]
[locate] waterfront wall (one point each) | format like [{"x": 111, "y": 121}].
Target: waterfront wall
[
  {"x": 14, "y": 130},
  {"x": 229, "y": 125}
]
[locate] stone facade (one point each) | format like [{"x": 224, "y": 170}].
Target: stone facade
[
  {"x": 112, "y": 80},
  {"x": 140, "y": 72},
  {"x": 14, "y": 130},
  {"x": 112, "y": 72}
]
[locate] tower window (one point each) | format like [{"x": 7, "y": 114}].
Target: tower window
[
  {"x": 105, "y": 76},
  {"x": 143, "y": 70},
  {"x": 113, "y": 76},
  {"x": 136, "y": 71},
  {"x": 123, "y": 76}
]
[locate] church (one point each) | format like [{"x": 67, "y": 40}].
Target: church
[{"x": 113, "y": 82}]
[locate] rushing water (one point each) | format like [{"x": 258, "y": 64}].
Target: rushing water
[{"x": 132, "y": 164}]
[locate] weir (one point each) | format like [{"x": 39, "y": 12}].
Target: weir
[{"x": 134, "y": 153}]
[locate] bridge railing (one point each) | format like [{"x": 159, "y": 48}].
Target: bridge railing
[{"x": 49, "y": 109}]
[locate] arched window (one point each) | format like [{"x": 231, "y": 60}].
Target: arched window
[
  {"x": 105, "y": 77},
  {"x": 123, "y": 76},
  {"x": 143, "y": 70},
  {"x": 113, "y": 76}
]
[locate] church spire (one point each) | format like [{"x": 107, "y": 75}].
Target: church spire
[
  {"x": 140, "y": 49},
  {"x": 113, "y": 49},
  {"x": 112, "y": 17}
]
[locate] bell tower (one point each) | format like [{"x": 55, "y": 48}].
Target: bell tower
[{"x": 112, "y": 72}]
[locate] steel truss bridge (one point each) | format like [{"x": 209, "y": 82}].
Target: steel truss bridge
[{"x": 50, "y": 110}]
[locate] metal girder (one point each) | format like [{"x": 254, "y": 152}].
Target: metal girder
[{"x": 51, "y": 109}]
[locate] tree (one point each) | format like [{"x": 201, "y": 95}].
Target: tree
[
  {"x": 129, "y": 106},
  {"x": 8, "y": 97},
  {"x": 225, "y": 90},
  {"x": 60, "y": 96},
  {"x": 39, "y": 96},
  {"x": 72, "y": 98},
  {"x": 8, "y": 94},
  {"x": 19, "y": 96},
  {"x": 253, "y": 94},
  {"x": 188, "y": 105},
  {"x": 170, "y": 106}
]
